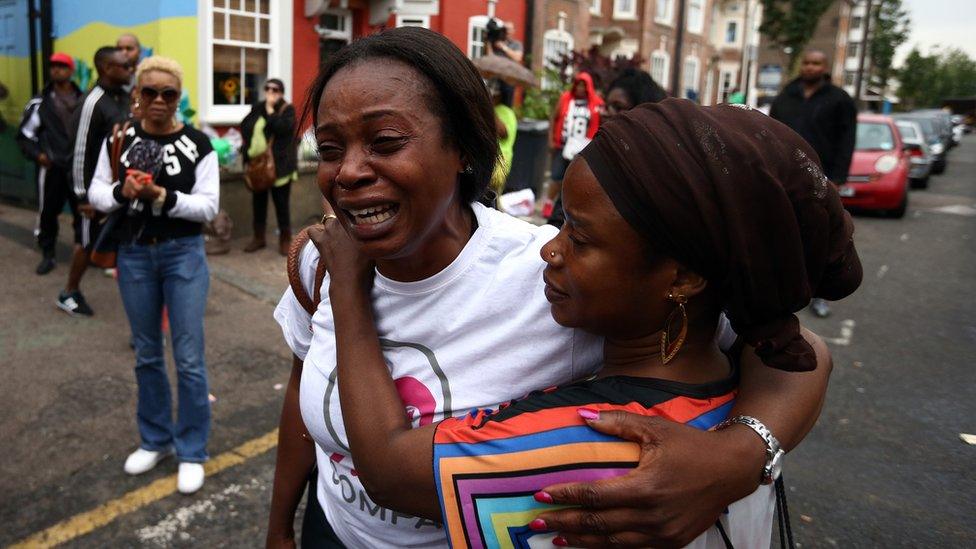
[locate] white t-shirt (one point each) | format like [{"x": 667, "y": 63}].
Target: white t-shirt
[{"x": 472, "y": 336}]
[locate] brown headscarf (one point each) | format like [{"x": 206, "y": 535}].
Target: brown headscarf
[{"x": 740, "y": 199}]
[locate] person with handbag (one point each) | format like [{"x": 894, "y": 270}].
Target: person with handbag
[
  {"x": 270, "y": 152},
  {"x": 161, "y": 262}
]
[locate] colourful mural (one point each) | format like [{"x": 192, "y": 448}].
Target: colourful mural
[
  {"x": 164, "y": 27},
  {"x": 79, "y": 28}
]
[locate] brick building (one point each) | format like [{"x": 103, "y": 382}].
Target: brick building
[
  {"x": 735, "y": 37},
  {"x": 714, "y": 35},
  {"x": 831, "y": 36}
]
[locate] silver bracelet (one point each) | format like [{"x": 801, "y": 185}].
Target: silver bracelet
[{"x": 774, "y": 452}]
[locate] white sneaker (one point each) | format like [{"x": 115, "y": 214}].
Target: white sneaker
[
  {"x": 190, "y": 477},
  {"x": 143, "y": 460}
]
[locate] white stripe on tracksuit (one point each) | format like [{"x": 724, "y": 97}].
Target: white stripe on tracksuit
[
  {"x": 41, "y": 184},
  {"x": 81, "y": 145},
  {"x": 29, "y": 130}
]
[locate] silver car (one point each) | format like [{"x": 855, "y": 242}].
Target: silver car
[{"x": 920, "y": 158}]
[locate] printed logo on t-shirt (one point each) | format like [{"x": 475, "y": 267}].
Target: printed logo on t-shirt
[
  {"x": 577, "y": 120},
  {"x": 422, "y": 404}
]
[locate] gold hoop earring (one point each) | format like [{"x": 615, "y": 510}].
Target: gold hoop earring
[{"x": 669, "y": 347}]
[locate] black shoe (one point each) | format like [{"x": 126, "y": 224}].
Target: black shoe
[
  {"x": 74, "y": 304},
  {"x": 45, "y": 266}
]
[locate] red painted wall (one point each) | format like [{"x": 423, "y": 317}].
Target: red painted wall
[
  {"x": 305, "y": 54},
  {"x": 451, "y": 22}
]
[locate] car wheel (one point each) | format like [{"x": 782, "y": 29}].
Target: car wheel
[
  {"x": 899, "y": 211},
  {"x": 922, "y": 183}
]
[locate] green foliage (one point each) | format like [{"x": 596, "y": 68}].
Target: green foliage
[
  {"x": 539, "y": 103},
  {"x": 889, "y": 30},
  {"x": 927, "y": 80},
  {"x": 789, "y": 24}
]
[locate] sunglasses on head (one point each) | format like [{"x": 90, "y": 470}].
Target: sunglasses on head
[
  {"x": 274, "y": 89},
  {"x": 169, "y": 95}
]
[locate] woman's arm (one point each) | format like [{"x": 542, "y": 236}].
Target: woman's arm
[
  {"x": 202, "y": 202},
  {"x": 392, "y": 460},
  {"x": 294, "y": 461},
  {"x": 687, "y": 477}
]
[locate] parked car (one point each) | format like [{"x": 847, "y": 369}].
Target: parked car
[
  {"x": 943, "y": 121},
  {"x": 878, "y": 178},
  {"x": 932, "y": 137},
  {"x": 959, "y": 121},
  {"x": 957, "y": 132},
  {"x": 919, "y": 157}
]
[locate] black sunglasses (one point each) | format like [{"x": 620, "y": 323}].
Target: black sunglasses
[
  {"x": 169, "y": 95},
  {"x": 275, "y": 89}
]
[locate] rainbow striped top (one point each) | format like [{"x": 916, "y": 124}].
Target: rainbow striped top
[{"x": 488, "y": 465}]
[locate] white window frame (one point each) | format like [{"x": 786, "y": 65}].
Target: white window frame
[
  {"x": 665, "y": 59},
  {"x": 279, "y": 49},
  {"x": 709, "y": 88},
  {"x": 476, "y": 22},
  {"x": 735, "y": 31},
  {"x": 596, "y": 7},
  {"x": 696, "y": 80},
  {"x": 667, "y": 17},
  {"x": 620, "y": 13},
  {"x": 330, "y": 34},
  {"x": 413, "y": 20},
  {"x": 549, "y": 38},
  {"x": 698, "y": 25}
]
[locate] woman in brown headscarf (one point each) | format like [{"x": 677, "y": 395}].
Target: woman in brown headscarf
[{"x": 674, "y": 214}]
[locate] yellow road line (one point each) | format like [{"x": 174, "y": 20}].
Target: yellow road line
[{"x": 89, "y": 521}]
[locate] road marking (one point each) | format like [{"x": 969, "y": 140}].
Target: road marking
[
  {"x": 956, "y": 209},
  {"x": 175, "y": 524},
  {"x": 846, "y": 334},
  {"x": 89, "y": 521}
]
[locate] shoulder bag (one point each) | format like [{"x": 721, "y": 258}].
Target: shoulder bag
[{"x": 104, "y": 252}]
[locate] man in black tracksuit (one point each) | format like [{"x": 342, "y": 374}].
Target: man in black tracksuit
[
  {"x": 826, "y": 117},
  {"x": 45, "y": 137},
  {"x": 104, "y": 106}
]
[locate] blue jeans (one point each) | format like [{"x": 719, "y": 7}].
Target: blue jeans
[{"x": 175, "y": 274}]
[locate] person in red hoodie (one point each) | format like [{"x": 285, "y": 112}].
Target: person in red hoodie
[{"x": 574, "y": 123}]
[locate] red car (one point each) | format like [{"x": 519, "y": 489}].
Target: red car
[{"x": 878, "y": 178}]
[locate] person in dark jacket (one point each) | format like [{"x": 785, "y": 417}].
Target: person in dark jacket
[
  {"x": 826, "y": 117},
  {"x": 44, "y": 137},
  {"x": 104, "y": 106},
  {"x": 277, "y": 117}
]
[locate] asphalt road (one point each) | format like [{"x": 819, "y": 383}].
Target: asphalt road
[{"x": 885, "y": 467}]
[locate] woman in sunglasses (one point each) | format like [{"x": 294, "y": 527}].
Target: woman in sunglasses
[
  {"x": 161, "y": 262},
  {"x": 272, "y": 118}
]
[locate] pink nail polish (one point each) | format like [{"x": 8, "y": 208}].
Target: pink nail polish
[
  {"x": 588, "y": 414},
  {"x": 537, "y": 524},
  {"x": 543, "y": 497},
  {"x": 560, "y": 541}
]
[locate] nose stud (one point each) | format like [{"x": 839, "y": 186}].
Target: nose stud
[{"x": 552, "y": 255}]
